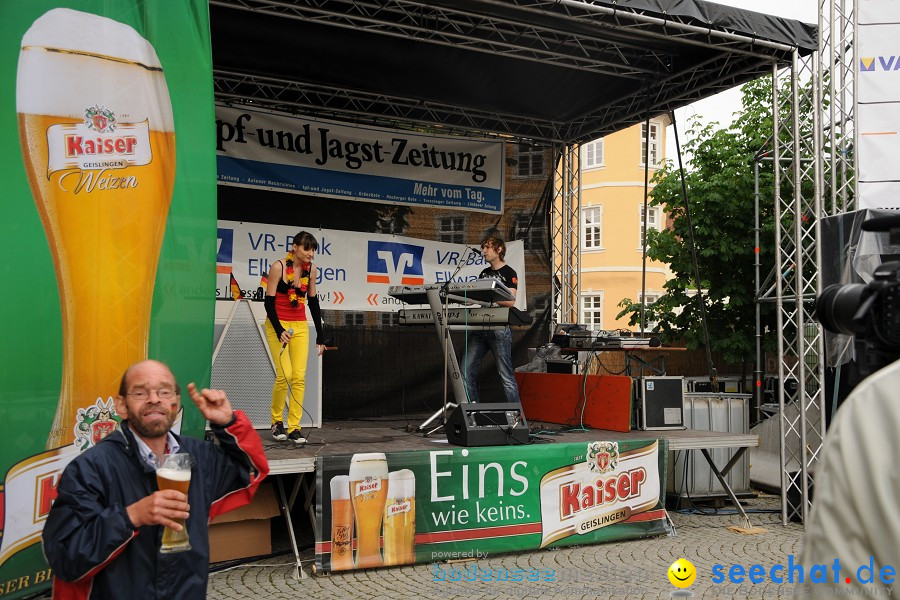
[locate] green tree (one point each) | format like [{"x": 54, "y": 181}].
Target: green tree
[{"x": 720, "y": 184}]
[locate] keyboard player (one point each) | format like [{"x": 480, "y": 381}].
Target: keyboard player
[{"x": 498, "y": 341}]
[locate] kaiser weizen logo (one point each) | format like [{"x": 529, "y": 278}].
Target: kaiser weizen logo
[{"x": 395, "y": 264}]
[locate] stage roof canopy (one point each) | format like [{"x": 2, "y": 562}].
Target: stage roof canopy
[{"x": 559, "y": 71}]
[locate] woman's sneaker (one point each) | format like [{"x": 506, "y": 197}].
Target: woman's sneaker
[
  {"x": 278, "y": 431},
  {"x": 295, "y": 437}
]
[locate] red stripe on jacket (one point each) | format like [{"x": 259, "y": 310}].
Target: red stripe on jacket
[
  {"x": 250, "y": 443},
  {"x": 80, "y": 589}
]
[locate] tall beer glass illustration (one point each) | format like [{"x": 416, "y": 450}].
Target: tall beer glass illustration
[
  {"x": 368, "y": 491},
  {"x": 341, "y": 524},
  {"x": 98, "y": 143},
  {"x": 400, "y": 519},
  {"x": 175, "y": 474}
]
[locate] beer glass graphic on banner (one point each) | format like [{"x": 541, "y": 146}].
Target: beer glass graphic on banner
[
  {"x": 175, "y": 474},
  {"x": 98, "y": 142},
  {"x": 400, "y": 519},
  {"x": 368, "y": 491},
  {"x": 341, "y": 524}
]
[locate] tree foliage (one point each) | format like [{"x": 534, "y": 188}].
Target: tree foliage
[{"x": 720, "y": 189}]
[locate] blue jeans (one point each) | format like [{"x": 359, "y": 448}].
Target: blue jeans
[{"x": 499, "y": 341}]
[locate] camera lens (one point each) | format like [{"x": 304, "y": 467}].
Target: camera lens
[{"x": 837, "y": 305}]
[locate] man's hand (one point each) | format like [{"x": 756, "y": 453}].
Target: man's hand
[
  {"x": 160, "y": 508},
  {"x": 213, "y": 405}
]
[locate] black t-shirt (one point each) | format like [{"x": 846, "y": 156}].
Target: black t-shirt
[{"x": 506, "y": 274}]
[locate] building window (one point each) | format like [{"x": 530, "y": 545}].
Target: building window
[
  {"x": 389, "y": 319},
  {"x": 592, "y": 228},
  {"x": 592, "y": 154},
  {"x": 354, "y": 318},
  {"x": 592, "y": 311},
  {"x": 651, "y": 298},
  {"x": 654, "y": 143},
  {"x": 531, "y": 161},
  {"x": 452, "y": 230},
  {"x": 530, "y": 231},
  {"x": 654, "y": 218}
]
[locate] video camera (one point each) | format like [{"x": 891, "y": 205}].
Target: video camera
[{"x": 869, "y": 312}]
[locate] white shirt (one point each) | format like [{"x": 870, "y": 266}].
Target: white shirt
[
  {"x": 856, "y": 495},
  {"x": 146, "y": 453}
]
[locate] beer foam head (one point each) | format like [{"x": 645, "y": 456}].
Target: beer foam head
[
  {"x": 372, "y": 464},
  {"x": 401, "y": 484},
  {"x": 340, "y": 487},
  {"x": 73, "y": 30},
  {"x": 174, "y": 474},
  {"x": 71, "y": 60}
]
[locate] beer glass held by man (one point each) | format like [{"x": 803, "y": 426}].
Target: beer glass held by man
[{"x": 102, "y": 536}]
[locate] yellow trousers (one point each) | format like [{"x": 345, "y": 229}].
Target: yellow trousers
[{"x": 290, "y": 365}]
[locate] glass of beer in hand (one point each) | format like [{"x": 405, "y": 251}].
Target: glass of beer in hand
[
  {"x": 400, "y": 519},
  {"x": 175, "y": 474},
  {"x": 368, "y": 492}
]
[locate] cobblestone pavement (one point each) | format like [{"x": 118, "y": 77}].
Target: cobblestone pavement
[{"x": 632, "y": 569}]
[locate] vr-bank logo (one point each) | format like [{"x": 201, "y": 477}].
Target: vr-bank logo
[
  {"x": 879, "y": 63},
  {"x": 393, "y": 263},
  {"x": 225, "y": 251}
]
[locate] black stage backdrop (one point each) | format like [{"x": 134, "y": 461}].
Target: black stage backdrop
[{"x": 382, "y": 369}]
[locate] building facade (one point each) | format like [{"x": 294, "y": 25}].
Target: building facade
[{"x": 612, "y": 224}]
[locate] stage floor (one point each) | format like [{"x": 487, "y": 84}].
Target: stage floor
[{"x": 396, "y": 434}]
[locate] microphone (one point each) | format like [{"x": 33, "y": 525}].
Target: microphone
[{"x": 284, "y": 345}]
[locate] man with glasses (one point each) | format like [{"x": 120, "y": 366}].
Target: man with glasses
[{"x": 102, "y": 537}]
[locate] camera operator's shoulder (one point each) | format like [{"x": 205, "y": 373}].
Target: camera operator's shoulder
[{"x": 875, "y": 398}]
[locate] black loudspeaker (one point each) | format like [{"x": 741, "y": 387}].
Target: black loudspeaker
[
  {"x": 481, "y": 424},
  {"x": 560, "y": 365},
  {"x": 662, "y": 402}
]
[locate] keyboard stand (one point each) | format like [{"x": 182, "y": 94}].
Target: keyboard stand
[{"x": 451, "y": 364}]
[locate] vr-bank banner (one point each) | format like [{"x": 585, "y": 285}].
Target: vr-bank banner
[
  {"x": 878, "y": 103},
  {"x": 109, "y": 201},
  {"x": 377, "y": 509},
  {"x": 355, "y": 269},
  {"x": 305, "y": 155}
]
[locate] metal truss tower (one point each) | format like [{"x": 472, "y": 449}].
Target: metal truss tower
[
  {"x": 565, "y": 235},
  {"x": 813, "y": 152}
]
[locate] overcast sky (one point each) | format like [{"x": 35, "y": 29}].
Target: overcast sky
[{"x": 721, "y": 106}]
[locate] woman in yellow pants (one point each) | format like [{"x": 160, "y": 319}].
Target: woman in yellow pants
[{"x": 292, "y": 287}]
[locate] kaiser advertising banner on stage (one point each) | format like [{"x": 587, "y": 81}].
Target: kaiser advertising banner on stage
[
  {"x": 377, "y": 509},
  {"x": 878, "y": 103},
  {"x": 355, "y": 269},
  {"x": 305, "y": 155},
  {"x": 105, "y": 225}
]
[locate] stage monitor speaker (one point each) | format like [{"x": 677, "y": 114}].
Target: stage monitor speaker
[
  {"x": 662, "y": 402},
  {"x": 487, "y": 424}
]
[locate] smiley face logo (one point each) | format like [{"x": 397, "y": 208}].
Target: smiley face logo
[{"x": 682, "y": 573}]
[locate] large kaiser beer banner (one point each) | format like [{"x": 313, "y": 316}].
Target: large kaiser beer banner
[
  {"x": 382, "y": 509},
  {"x": 108, "y": 229},
  {"x": 305, "y": 155}
]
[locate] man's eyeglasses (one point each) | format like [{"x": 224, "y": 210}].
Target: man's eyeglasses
[{"x": 163, "y": 394}]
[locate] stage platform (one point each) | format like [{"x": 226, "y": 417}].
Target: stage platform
[{"x": 397, "y": 434}]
